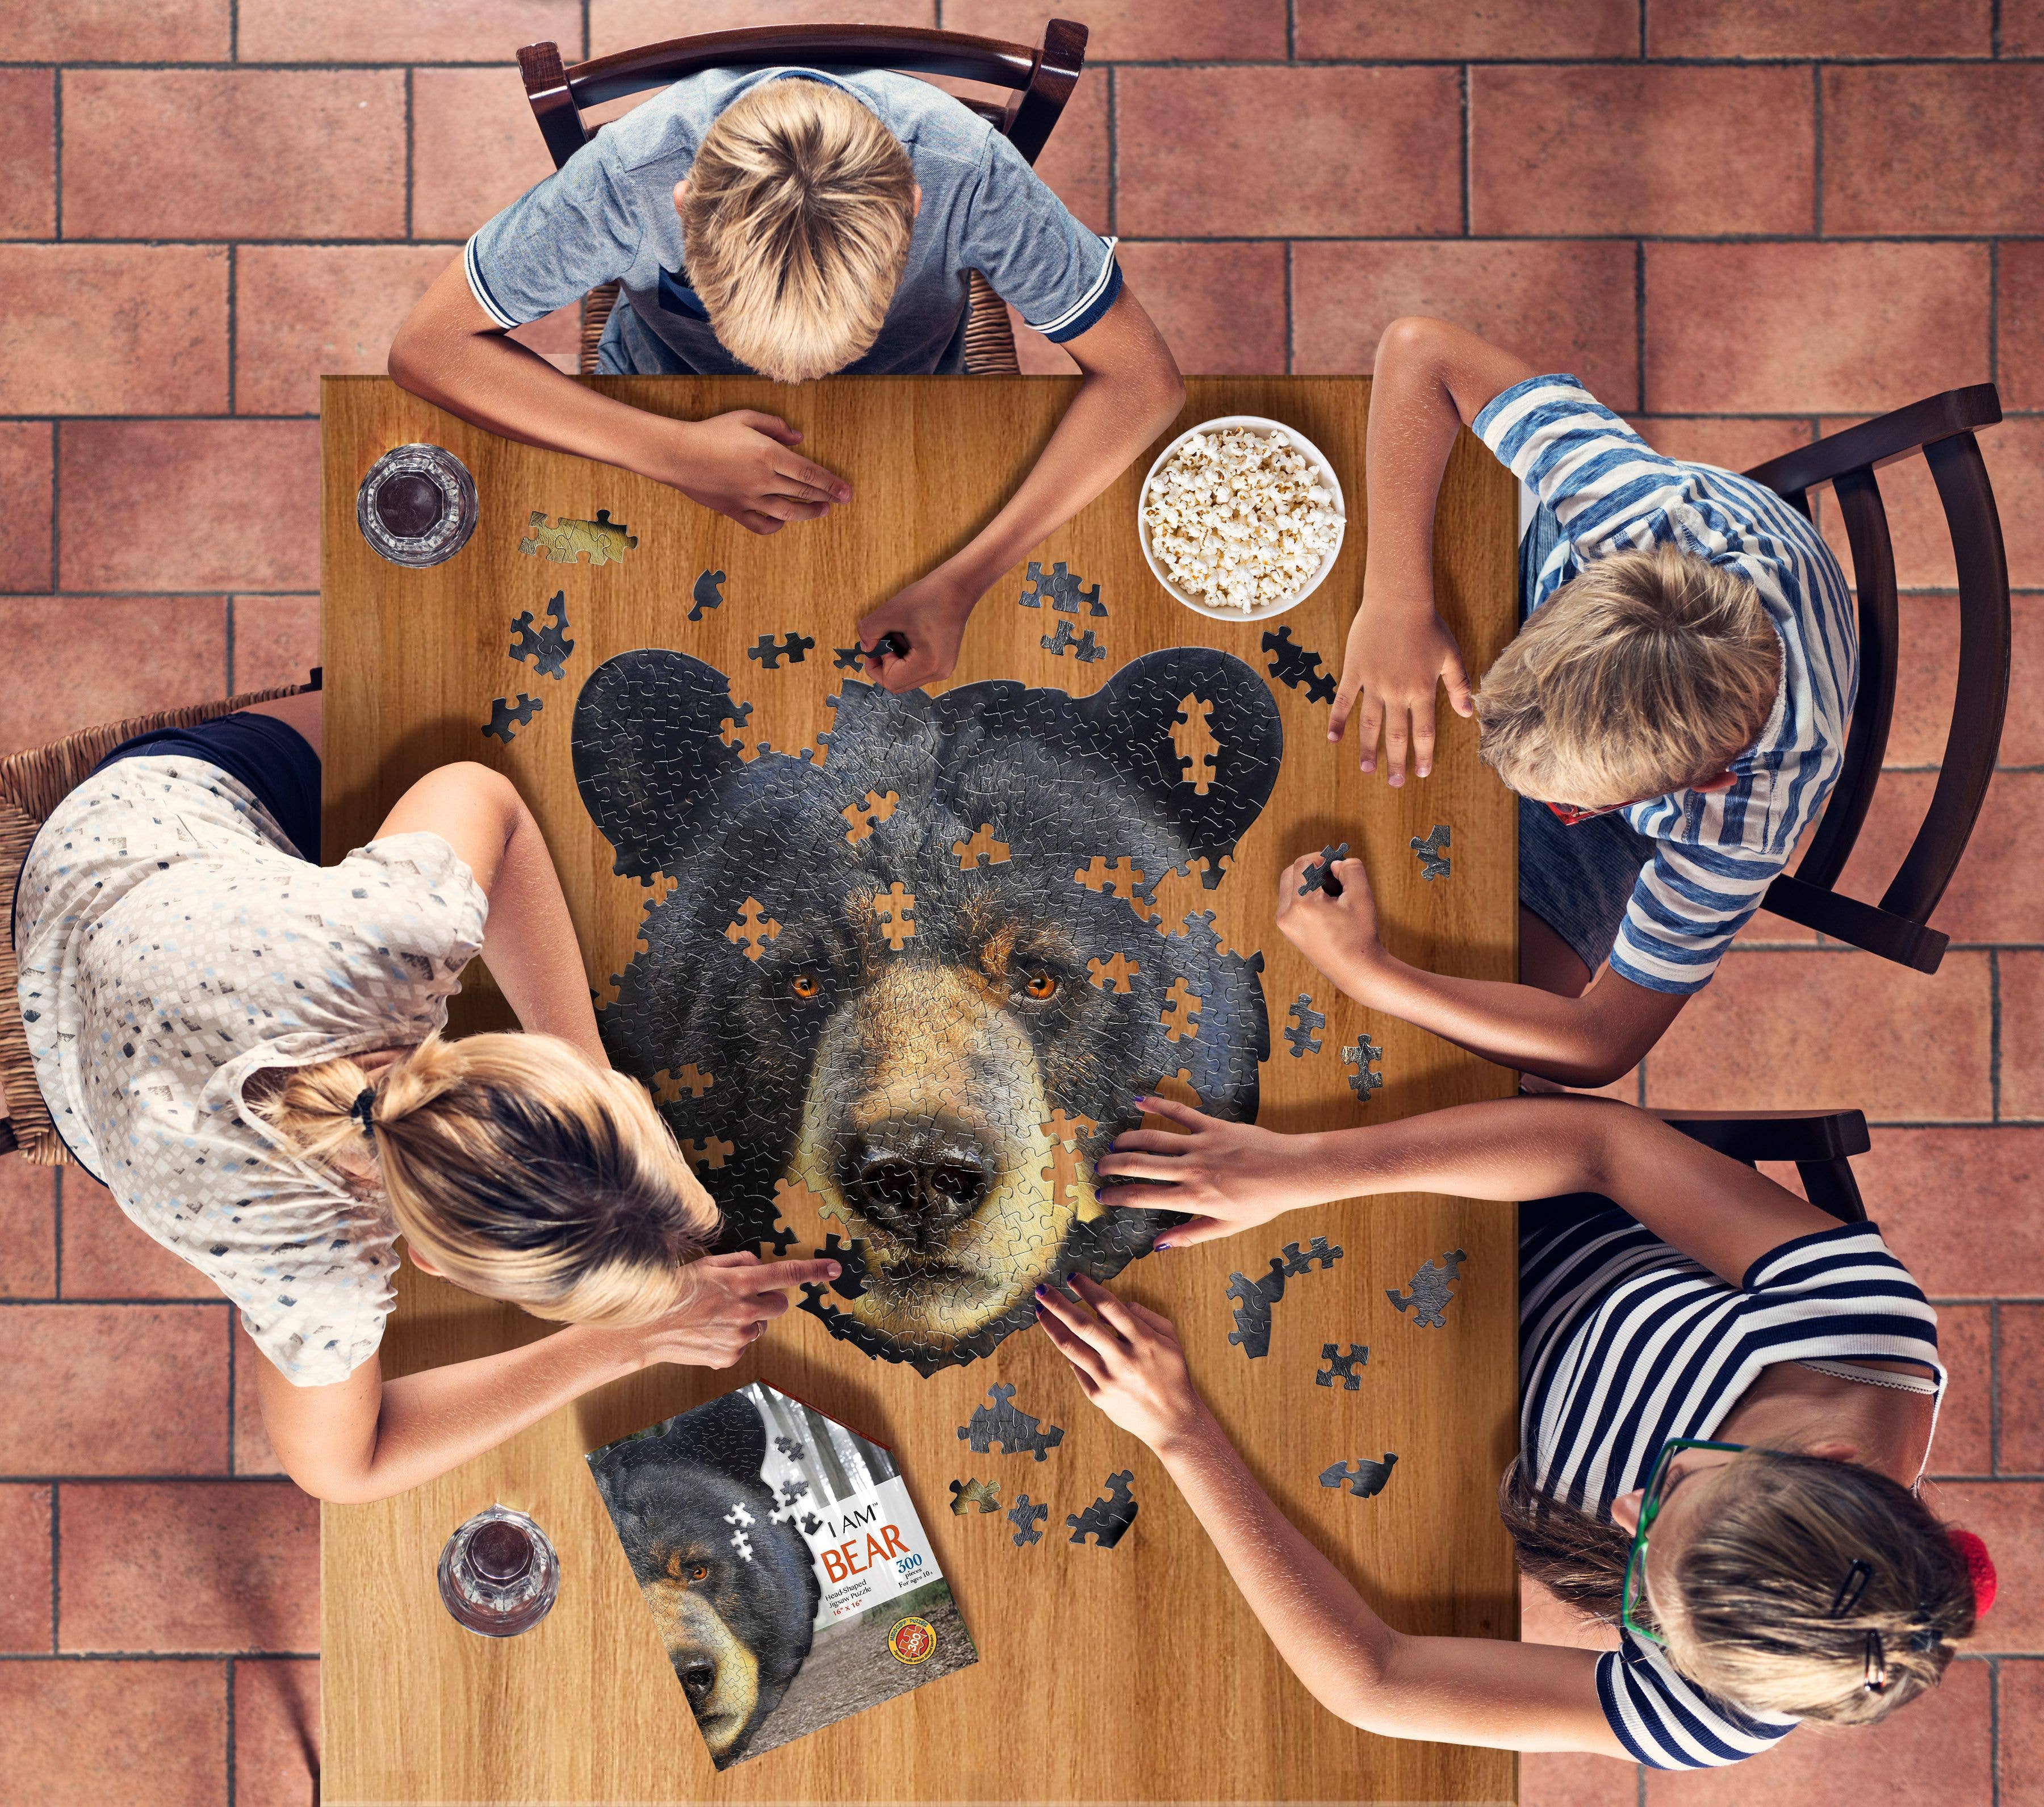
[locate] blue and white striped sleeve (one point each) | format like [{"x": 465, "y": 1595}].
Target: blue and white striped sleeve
[
  {"x": 558, "y": 241},
  {"x": 1669, "y": 1723}
]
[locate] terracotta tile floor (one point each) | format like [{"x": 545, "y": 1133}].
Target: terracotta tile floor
[{"x": 1744, "y": 222}]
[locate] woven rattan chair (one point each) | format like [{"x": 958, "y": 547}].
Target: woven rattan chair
[
  {"x": 32, "y": 784},
  {"x": 1042, "y": 78}
]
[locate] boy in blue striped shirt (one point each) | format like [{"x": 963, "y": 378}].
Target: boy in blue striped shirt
[{"x": 1672, "y": 714}]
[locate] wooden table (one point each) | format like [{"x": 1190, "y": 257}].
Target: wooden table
[{"x": 1103, "y": 1677}]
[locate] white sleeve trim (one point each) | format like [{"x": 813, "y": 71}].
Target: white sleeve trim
[
  {"x": 480, "y": 289},
  {"x": 1084, "y": 301}
]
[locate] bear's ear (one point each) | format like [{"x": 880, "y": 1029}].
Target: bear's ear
[
  {"x": 1141, "y": 717},
  {"x": 729, "y": 1434},
  {"x": 648, "y": 751}
]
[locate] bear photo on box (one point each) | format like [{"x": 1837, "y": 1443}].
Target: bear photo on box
[{"x": 910, "y": 1019}]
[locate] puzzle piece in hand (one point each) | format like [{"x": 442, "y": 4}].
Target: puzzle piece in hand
[
  {"x": 1429, "y": 1295},
  {"x": 1062, "y": 588},
  {"x": 1315, "y": 1254},
  {"x": 984, "y": 1494},
  {"x": 1362, "y": 1478},
  {"x": 851, "y": 1258},
  {"x": 603, "y": 540},
  {"x": 1315, "y": 876},
  {"x": 869, "y": 813},
  {"x": 1253, "y": 1299},
  {"x": 770, "y": 652},
  {"x": 1363, "y": 1056},
  {"x": 1305, "y": 1019},
  {"x": 1108, "y": 1517},
  {"x": 548, "y": 647},
  {"x": 1433, "y": 852},
  {"x": 1343, "y": 1367},
  {"x": 1015, "y": 1431},
  {"x": 708, "y": 594},
  {"x": 1294, "y": 665},
  {"x": 1025, "y": 1517},
  {"x": 790, "y": 1447},
  {"x": 1062, "y": 642},
  {"x": 503, "y": 714}
]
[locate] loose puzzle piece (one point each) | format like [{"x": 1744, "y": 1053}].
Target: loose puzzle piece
[
  {"x": 1362, "y": 1478},
  {"x": 1087, "y": 649},
  {"x": 847, "y": 658},
  {"x": 1025, "y": 1517},
  {"x": 984, "y": 1494},
  {"x": 869, "y": 813},
  {"x": 1305, "y": 1019},
  {"x": 742, "y": 1545},
  {"x": 894, "y": 911},
  {"x": 1113, "y": 973},
  {"x": 602, "y": 540},
  {"x": 1433, "y": 852},
  {"x": 1361, "y": 1056},
  {"x": 793, "y": 1489},
  {"x": 1015, "y": 1431},
  {"x": 1316, "y": 877},
  {"x": 770, "y": 652},
  {"x": 1061, "y": 588},
  {"x": 503, "y": 712},
  {"x": 1193, "y": 743},
  {"x": 1294, "y": 665},
  {"x": 790, "y": 1447},
  {"x": 982, "y": 851},
  {"x": 1253, "y": 1299},
  {"x": 1180, "y": 1013},
  {"x": 1429, "y": 1295},
  {"x": 548, "y": 647},
  {"x": 1315, "y": 1254},
  {"x": 1107, "y": 1518},
  {"x": 1343, "y": 1367},
  {"x": 708, "y": 594},
  {"x": 811, "y": 1525},
  {"x": 753, "y": 929}
]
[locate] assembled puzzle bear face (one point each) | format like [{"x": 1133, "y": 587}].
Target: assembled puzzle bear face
[{"x": 913, "y": 990}]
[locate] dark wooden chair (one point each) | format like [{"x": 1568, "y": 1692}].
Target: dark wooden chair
[
  {"x": 1941, "y": 429},
  {"x": 1041, "y": 79}
]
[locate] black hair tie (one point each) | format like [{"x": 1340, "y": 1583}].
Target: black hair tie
[{"x": 365, "y": 1103}]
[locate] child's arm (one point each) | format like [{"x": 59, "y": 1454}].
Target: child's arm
[
  {"x": 1482, "y": 1691},
  {"x": 742, "y": 464},
  {"x": 1130, "y": 391},
  {"x": 1585, "y": 1040},
  {"x": 1431, "y": 380}
]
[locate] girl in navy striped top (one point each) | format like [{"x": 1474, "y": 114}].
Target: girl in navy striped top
[{"x": 1701, "y": 1351}]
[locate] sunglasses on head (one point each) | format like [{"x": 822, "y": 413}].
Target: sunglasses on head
[{"x": 1570, "y": 814}]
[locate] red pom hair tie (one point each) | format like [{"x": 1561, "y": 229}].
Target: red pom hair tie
[{"x": 1980, "y": 1568}]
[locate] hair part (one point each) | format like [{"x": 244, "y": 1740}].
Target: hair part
[
  {"x": 517, "y": 1167},
  {"x": 1648, "y": 672},
  {"x": 796, "y": 220},
  {"x": 1750, "y": 1620}
]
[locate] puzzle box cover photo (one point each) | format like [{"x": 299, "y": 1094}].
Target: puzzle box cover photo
[{"x": 789, "y": 1577}]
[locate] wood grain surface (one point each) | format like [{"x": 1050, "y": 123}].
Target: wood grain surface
[{"x": 1136, "y": 1673}]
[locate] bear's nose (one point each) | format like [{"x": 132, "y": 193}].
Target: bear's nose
[
  {"x": 917, "y": 1181},
  {"x": 698, "y": 1676}
]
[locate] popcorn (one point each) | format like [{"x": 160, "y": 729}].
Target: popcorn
[{"x": 1239, "y": 517}]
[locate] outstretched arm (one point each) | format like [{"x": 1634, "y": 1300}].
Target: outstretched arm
[
  {"x": 1431, "y": 380},
  {"x": 1483, "y": 1691},
  {"x": 1130, "y": 390}
]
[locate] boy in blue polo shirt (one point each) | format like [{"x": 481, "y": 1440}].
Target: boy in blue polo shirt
[
  {"x": 1673, "y": 714},
  {"x": 793, "y": 223}
]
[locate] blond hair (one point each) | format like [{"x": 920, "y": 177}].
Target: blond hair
[
  {"x": 1648, "y": 672},
  {"x": 796, "y": 220},
  {"x": 1749, "y": 1615},
  {"x": 518, "y": 1168}
]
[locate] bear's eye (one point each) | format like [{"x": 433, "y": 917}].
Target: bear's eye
[
  {"x": 1041, "y": 984},
  {"x": 700, "y": 1572},
  {"x": 804, "y": 985}
]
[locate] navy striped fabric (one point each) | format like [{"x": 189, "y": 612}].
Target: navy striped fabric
[
  {"x": 1716, "y": 852},
  {"x": 1625, "y": 1342}
]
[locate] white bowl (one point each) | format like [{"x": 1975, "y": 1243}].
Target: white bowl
[{"x": 1213, "y": 611}]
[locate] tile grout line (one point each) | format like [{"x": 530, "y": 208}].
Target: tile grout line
[
  {"x": 57, "y": 1225},
  {"x": 230, "y": 1778},
  {"x": 1994, "y": 1387},
  {"x": 1113, "y": 157},
  {"x": 1994, "y": 311},
  {"x": 56, "y": 1565},
  {"x": 230, "y": 1336},
  {"x": 1291, "y": 318},
  {"x": 56, "y": 156},
  {"x": 1468, "y": 147},
  {"x": 1994, "y": 1033},
  {"x": 1817, "y": 149},
  {"x": 410, "y": 181},
  {"x": 1639, "y": 318},
  {"x": 1994, "y": 1730}
]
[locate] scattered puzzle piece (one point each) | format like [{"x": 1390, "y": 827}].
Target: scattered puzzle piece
[
  {"x": 1253, "y": 1299},
  {"x": 1318, "y": 876},
  {"x": 1015, "y": 1431},
  {"x": 1061, "y": 588},
  {"x": 895, "y": 910},
  {"x": 984, "y": 1494},
  {"x": 1343, "y": 1367},
  {"x": 503, "y": 712},
  {"x": 981, "y": 850},
  {"x": 847, "y": 658},
  {"x": 790, "y": 1447},
  {"x": 1430, "y": 1293},
  {"x": 1362, "y": 1478},
  {"x": 753, "y": 929},
  {"x": 1025, "y": 1517},
  {"x": 1180, "y": 1013},
  {"x": 601, "y": 541},
  {"x": 1085, "y": 647},
  {"x": 1305, "y": 1019},
  {"x": 1315, "y": 1254},
  {"x": 868, "y": 814},
  {"x": 811, "y": 1525},
  {"x": 708, "y": 594},
  {"x": 793, "y": 1489},
  {"x": 1108, "y": 1518},
  {"x": 547, "y": 647},
  {"x": 1361, "y": 1057},
  {"x": 1433, "y": 852},
  {"x": 770, "y": 652},
  {"x": 1294, "y": 665},
  {"x": 1112, "y": 974}
]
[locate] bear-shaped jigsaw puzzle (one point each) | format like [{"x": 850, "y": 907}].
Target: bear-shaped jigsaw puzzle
[{"x": 925, "y": 1026}]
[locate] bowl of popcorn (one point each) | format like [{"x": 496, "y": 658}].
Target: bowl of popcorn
[{"x": 1241, "y": 518}]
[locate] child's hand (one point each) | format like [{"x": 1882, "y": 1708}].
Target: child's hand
[
  {"x": 1234, "y": 1174},
  {"x": 1337, "y": 934},
  {"x": 930, "y": 615},
  {"x": 734, "y": 1297},
  {"x": 744, "y": 464},
  {"x": 1127, "y": 1358},
  {"x": 1395, "y": 658}
]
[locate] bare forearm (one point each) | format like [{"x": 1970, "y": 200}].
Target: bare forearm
[
  {"x": 1413, "y": 421},
  {"x": 529, "y": 942}
]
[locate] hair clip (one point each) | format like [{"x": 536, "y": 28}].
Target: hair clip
[
  {"x": 365, "y": 1101},
  {"x": 1877, "y": 1665},
  {"x": 1851, "y": 1588}
]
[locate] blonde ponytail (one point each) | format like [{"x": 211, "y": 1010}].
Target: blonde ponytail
[{"x": 518, "y": 1168}]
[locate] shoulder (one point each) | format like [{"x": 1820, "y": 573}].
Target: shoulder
[
  {"x": 1668, "y": 1722},
  {"x": 927, "y": 121}
]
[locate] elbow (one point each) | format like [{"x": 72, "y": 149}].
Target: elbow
[
  {"x": 1410, "y": 338},
  {"x": 333, "y": 1489}
]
